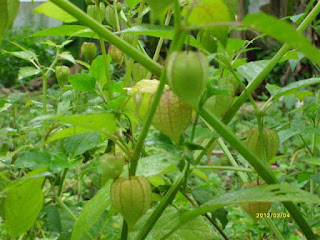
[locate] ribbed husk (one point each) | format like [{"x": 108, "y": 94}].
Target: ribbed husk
[
  {"x": 187, "y": 74},
  {"x": 271, "y": 142},
  {"x": 131, "y": 197},
  {"x": 172, "y": 116}
]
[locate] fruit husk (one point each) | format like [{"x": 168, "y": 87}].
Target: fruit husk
[
  {"x": 187, "y": 74},
  {"x": 139, "y": 72},
  {"x": 111, "y": 16},
  {"x": 62, "y": 74},
  {"x": 131, "y": 196},
  {"x": 172, "y": 116},
  {"x": 271, "y": 139},
  {"x": 111, "y": 165},
  {"x": 89, "y": 51},
  {"x": 115, "y": 54},
  {"x": 252, "y": 208}
]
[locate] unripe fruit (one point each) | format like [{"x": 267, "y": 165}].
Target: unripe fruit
[
  {"x": 252, "y": 208},
  {"x": 131, "y": 196},
  {"x": 97, "y": 12},
  {"x": 172, "y": 116},
  {"x": 139, "y": 72},
  {"x": 115, "y": 54},
  {"x": 89, "y": 51},
  {"x": 89, "y": 2},
  {"x": 207, "y": 41},
  {"x": 112, "y": 165},
  {"x": 62, "y": 74},
  {"x": 111, "y": 16},
  {"x": 271, "y": 140},
  {"x": 129, "y": 38},
  {"x": 187, "y": 74}
]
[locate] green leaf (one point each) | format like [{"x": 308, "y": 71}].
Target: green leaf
[
  {"x": 158, "y": 7},
  {"x": 33, "y": 159},
  {"x": 166, "y": 32},
  {"x": 9, "y": 11},
  {"x": 197, "y": 228},
  {"x": 97, "y": 69},
  {"x": 251, "y": 70},
  {"x": 288, "y": 133},
  {"x": 23, "y": 204},
  {"x": 65, "y": 30},
  {"x": 78, "y": 144},
  {"x": 158, "y": 164},
  {"x": 283, "y": 32},
  {"x": 27, "y": 72},
  {"x": 262, "y": 193},
  {"x": 91, "y": 213},
  {"x": 25, "y": 55},
  {"x": 67, "y": 56},
  {"x": 67, "y": 132},
  {"x": 82, "y": 82},
  {"x": 132, "y": 3},
  {"x": 51, "y": 10},
  {"x": 312, "y": 160},
  {"x": 292, "y": 87},
  {"x": 104, "y": 123}
]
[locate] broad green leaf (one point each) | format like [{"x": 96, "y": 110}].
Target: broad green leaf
[
  {"x": 288, "y": 133},
  {"x": 132, "y": 3},
  {"x": 158, "y": 7},
  {"x": 158, "y": 164},
  {"x": 82, "y": 82},
  {"x": 104, "y": 123},
  {"x": 25, "y": 55},
  {"x": 97, "y": 69},
  {"x": 23, "y": 204},
  {"x": 78, "y": 144},
  {"x": 152, "y": 30},
  {"x": 28, "y": 72},
  {"x": 292, "y": 54},
  {"x": 67, "y": 56},
  {"x": 9, "y": 11},
  {"x": 312, "y": 160},
  {"x": 283, "y": 32},
  {"x": 197, "y": 228},
  {"x": 65, "y": 30},
  {"x": 262, "y": 193},
  {"x": 91, "y": 213},
  {"x": 51, "y": 10},
  {"x": 251, "y": 70},
  {"x": 67, "y": 132},
  {"x": 33, "y": 159},
  {"x": 292, "y": 87}
]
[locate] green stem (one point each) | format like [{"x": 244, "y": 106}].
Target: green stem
[
  {"x": 274, "y": 229},
  {"x": 107, "y": 69},
  {"x": 261, "y": 168},
  {"x": 127, "y": 76},
  {"x": 116, "y": 14},
  {"x": 166, "y": 200},
  {"x": 159, "y": 46},
  {"x": 224, "y": 168},
  {"x": 243, "y": 177},
  {"x": 273, "y": 62},
  {"x": 124, "y": 232},
  {"x": 83, "y": 18},
  {"x": 146, "y": 126}
]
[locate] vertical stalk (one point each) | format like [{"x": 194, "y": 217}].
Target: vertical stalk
[
  {"x": 107, "y": 69},
  {"x": 127, "y": 77},
  {"x": 159, "y": 46}
]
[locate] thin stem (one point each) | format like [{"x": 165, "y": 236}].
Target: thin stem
[
  {"x": 146, "y": 126},
  {"x": 83, "y": 18},
  {"x": 274, "y": 229},
  {"x": 243, "y": 177},
  {"x": 159, "y": 46},
  {"x": 65, "y": 171},
  {"x": 107, "y": 69},
  {"x": 116, "y": 14},
  {"x": 127, "y": 76},
  {"x": 124, "y": 232},
  {"x": 273, "y": 62},
  {"x": 194, "y": 203},
  {"x": 224, "y": 168}
]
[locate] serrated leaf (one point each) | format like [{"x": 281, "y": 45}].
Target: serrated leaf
[
  {"x": 51, "y": 10},
  {"x": 283, "y": 32},
  {"x": 78, "y": 144}
]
